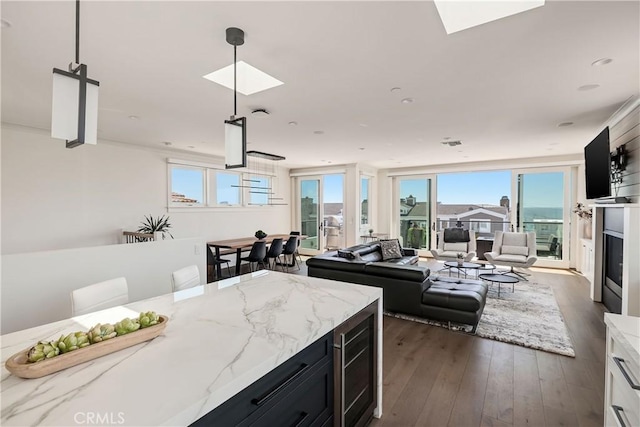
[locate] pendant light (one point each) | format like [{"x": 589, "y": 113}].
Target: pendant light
[
  {"x": 235, "y": 139},
  {"x": 74, "y": 112}
]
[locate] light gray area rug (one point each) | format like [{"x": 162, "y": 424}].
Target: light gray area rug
[{"x": 528, "y": 317}]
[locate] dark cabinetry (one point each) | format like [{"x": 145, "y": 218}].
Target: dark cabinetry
[{"x": 297, "y": 393}]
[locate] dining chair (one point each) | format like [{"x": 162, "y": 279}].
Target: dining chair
[
  {"x": 289, "y": 252},
  {"x": 297, "y": 233},
  {"x": 213, "y": 262},
  {"x": 107, "y": 294},
  {"x": 257, "y": 254},
  {"x": 185, "y": 278},
  {"x": 275, "y": 250}
]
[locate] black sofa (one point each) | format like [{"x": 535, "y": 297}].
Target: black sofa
[{"x": 407, "y": 287}]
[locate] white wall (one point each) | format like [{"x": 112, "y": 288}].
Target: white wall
[
  {"x": 56, "y": 198},
  {"x": 36, "y": 286}
]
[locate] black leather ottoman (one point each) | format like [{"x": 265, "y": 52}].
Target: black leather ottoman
[{"x": 454, "y": 300}]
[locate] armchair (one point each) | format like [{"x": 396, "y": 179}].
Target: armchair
[
  {"x": 513, "y": 250},
  {"x": 452, "y": 241}
]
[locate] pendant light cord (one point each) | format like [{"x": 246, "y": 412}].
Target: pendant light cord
[
  {"x": 77, "y": 31},
  {"x": 235, "y": 95}
]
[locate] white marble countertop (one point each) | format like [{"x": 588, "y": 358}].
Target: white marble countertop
[
  {"x": 220, "y": 338},
  {"x": 626, "y": 330}
]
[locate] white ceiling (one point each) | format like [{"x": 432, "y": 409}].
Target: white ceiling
[{"x": 501, "y": 88}]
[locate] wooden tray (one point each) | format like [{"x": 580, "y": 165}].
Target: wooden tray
[{"x": 18, "y": 365}]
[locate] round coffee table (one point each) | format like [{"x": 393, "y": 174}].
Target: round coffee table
[
  {"x": 465, "y": 265},
  {"x": 500, "y": 279}
]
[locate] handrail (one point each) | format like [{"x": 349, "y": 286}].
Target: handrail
[{"x": 135, "y": 237}]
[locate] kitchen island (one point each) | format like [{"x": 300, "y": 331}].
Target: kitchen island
[{"x": 220, "y": 338}]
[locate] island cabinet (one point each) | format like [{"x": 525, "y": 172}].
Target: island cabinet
[
  {"x": 258, "y": 349},
  {"x": 297, "y": 393},
  {"x": 333, "y": 382}
]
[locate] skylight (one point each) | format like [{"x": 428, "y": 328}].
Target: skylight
[
  {"x": 250, "y": 80},
  {"x": 460, "y": 15}
]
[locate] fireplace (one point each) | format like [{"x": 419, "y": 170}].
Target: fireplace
[{"x": 612, "y": 260}]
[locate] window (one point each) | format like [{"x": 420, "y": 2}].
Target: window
[
  {"x": 195, "y": 184},
  {"x": 260, "y": 190},
  {"x": 187, "y": 186},
  {"x": 227, "y": 188},
  {"x": 480, "y": 226},
  {"x": 365, "y": 183}
]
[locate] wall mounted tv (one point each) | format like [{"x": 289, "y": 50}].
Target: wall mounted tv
[{"x": 597, "y": 165}]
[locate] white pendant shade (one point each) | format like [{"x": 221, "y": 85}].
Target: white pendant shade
[
  {"x": 64, "y": 112},
  {"x": 234, "y": 143}
]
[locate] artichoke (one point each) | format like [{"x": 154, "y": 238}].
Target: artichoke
[
  {"x": 68, "y": 343},
  {"x": 83, "y": 339},
  {"x": 101, "y": 333},
  {"x": 126, "y": 326},
  {"x": 148, "y": 318},
  {"x": 43, "y": 350}
]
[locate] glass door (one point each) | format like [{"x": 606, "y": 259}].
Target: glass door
[
  {"x": 321, "y": 206},
  {"x": 413, "y": 212},
  {"x": 542, "y": 206}
]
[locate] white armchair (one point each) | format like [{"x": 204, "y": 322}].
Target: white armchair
[
  {"x": 448, "y": 251},
  {"x": 513, "y": 250}
]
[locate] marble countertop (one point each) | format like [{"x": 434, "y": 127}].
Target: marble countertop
[
  {"x": 626, "y": 330},
  {"x": 220, "y": 338}
]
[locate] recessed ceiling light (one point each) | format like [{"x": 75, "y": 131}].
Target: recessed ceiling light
[
  {"x": 134, "y": 117},
  {"x": 407, "y": 100},
  {"x": 564, "y": 124},
  {"x": 190, "y": 146},
  {"x": 361, "y": 148},
  {"x": 395, "y": 89},
  {"x": 260, "y": 113},
  {"x": 318, "y": 132},
  {"x": 451, "y": 143},
  {"x": 250, "y": 80},
  {"x": 602, "y": 61},
  {"x": 446, "y": 138},
  {"x": 293, "y": 123},
  {"x": 363, "y": 125},
  {"x": 167, "y": 143},
  {"x": 5, "y": 23},
  {"x": 588, "y": 87}
]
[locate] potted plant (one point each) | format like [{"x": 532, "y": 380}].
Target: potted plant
[
  {"x": 260, "y": 234},
  {"x": 152, "y": 225},
  {"x": 460, "y": 258},
  {"x": 370, "y": 231}
]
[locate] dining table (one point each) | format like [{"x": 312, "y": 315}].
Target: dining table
[{"x": 242, "y": 244}]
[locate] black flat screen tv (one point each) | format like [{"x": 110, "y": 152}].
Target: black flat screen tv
[{"x": 597, "y": 165}]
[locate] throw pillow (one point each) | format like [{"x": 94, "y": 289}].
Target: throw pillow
[
  {"x": 455, "y": 247},
  {"x": 390, "y": 249},
  {"x": 515, "y": 250}
]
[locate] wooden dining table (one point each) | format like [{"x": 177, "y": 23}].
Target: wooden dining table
[{"x": 241, "y": 244}]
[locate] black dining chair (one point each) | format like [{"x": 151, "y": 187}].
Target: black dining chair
[
  {"x": 213, "y": 263},
  {"x": 289, "y": 251},
  {"x": 275, "y": 250},
  {"x": 297, "y": 233},
  {"x": 257, "y": 254}
]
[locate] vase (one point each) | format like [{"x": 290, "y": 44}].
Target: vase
[
  {"x": 587, "y": 230},
  {"x": 460, "y": 262}
]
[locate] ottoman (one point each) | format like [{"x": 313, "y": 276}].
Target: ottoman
[{"x": 454, "y": 300}]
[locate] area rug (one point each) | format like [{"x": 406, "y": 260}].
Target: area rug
[{"x": 528, "y": 317}]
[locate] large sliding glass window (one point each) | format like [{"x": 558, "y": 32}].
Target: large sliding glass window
[
  {"x": 477, "y": 201},
  {"x": 365, "y": 184},
  {"x": 541, "y": 210},
  {"x": 415, "y": 212}
]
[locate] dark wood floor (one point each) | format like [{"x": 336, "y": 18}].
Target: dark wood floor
[{"x": 437, "y": 377}]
